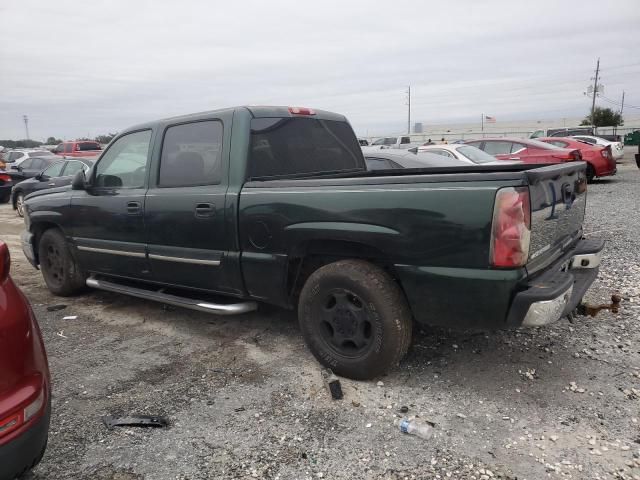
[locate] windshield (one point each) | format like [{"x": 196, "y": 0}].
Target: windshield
[
  {"x": 475, "y": 154},
  {"x": 292, "y": 146}
]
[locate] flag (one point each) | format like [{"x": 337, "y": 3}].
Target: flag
[{"x": 489, "y": 119}]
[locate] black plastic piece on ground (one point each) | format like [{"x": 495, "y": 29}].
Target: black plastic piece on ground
[
  {"x": 336, "y": 389},
  {"x": 55, "y": 308},
  {"x": 152, "y": 421}
]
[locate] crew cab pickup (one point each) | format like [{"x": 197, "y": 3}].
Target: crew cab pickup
[{"x": 222, "y": 210}]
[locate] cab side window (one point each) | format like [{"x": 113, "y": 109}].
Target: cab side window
[
  {"x": 73, "y": 167},
  {"x": 54, "y": 170},
  {"x": 124, "y": 164},
  {"x": 191, "y": 155}
]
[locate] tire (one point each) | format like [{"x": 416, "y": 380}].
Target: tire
[
  {"x": 591, "y": 173},
  {"x": 355, "y": 319},
  {"x": 20, "y": 205},
  {"x": 59, "y": 269}
]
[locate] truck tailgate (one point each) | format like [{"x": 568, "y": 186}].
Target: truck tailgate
[{"x": 558, "y": 200}]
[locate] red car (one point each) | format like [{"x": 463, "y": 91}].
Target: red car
[
  {"x": 25, "y": 385},
  {"x": 527, "y": 151},
  {"x": 84, "y": 148},
  {"x": 600, "y": 162}
]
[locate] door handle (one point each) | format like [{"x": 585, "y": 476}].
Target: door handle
[
  {"x": 133, "y": 208},
  {"x": 52, "y": 184},
  {"x": 205, "y": 210}
]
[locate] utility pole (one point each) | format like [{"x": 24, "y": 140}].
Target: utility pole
[
  {"x": 26, "y": 125},
  {"x": 595, "y": 92},
  {"x": 408, "y": 109},
  {"x": 622, "y": 104}
]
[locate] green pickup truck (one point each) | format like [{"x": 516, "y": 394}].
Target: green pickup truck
[{"x": 223, "y": 210}]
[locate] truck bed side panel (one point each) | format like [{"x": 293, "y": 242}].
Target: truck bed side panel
[{"x": 419, "y": 224}]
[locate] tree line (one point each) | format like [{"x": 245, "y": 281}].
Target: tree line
[{"x": 103, "y": 139}]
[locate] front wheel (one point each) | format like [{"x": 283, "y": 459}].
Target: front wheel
[
  {"x": 59, "y": 269},
  {"x": 20, "y": 205},
  {"x": 355, "y": 319}
]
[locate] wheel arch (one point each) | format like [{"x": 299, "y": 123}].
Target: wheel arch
[{"x": 308, "y": 256}]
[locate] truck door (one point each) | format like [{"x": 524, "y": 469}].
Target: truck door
[
  {"x": 185, "y": 207},
  {"x": 107, "y": 219}
]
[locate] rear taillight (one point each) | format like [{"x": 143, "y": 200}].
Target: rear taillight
[
  {"x": 9, "y": 424},
  {"x": 4, "y": 177},
  {"x": 77, "y": 149},
  {"x": 22, "y": 416},
  {"x": 511, "y": 228},
  {"x": 606, "y": 152},
  {"x": 5, "y": 261},
  {"x": 576, "y": 155},
  {"x": 301, "y": 111}
]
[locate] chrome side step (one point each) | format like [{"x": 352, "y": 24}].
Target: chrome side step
[{"x": 217, "y": 308}]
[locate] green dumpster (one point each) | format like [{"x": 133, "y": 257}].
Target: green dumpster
[{"x": 632, "y": 138}]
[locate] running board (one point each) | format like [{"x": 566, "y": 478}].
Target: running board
[{"x": 202, "y": 306}]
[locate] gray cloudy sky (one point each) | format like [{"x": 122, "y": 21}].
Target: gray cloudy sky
[{"x": 92, "y": 67}]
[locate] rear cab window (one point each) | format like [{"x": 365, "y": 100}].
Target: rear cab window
[
  {"x": 85, "y": 146},
  {"x": 302, "y": 146}
]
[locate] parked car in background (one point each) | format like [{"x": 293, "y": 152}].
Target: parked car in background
[
  {"x": 30, "y": 167},
  {"x": 25, "y": 384},
  {"x": 6, "y": 183},
  {"x": 387, "y": 160},
  {"x": 83, "y": 148},
  {"x": 526, "y": 151},
  {"x": 58, "y": 174},
  {"x": 401, "y": 142},
  {"x": 16, "y": 157},
  {"x": 363, "y": 142},
  {"x": 617, "y": 148},
  {"x": 562, "y": 132},
  {"x": 465, "y": 153},
  {"x": 275, "y": 205},
  {"x": 600, "y": 162}
]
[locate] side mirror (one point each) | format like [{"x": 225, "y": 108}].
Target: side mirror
[{"x": 79, "y": 181}]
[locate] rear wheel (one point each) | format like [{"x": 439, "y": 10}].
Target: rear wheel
[
  {"x": 20, "y": 205},
  {"x": 355, "y": 319},
  {"x": 591, "y": 173},
  {"x": 59, "y": 269}
]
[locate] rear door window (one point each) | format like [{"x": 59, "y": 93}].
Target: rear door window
[
  {"x": 299, "y": 146},
  {"x": 192, "y": 155},
  {"x": 38, "y": 164},
  {"x": 405, "y": 140},
  {"x": 497, "y": 148}
]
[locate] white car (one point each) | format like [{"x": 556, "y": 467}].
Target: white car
[
  {"x": 617, "y": 148},
  {"x": 16, "y": 157},
  {"x": 465, "y": 153}
]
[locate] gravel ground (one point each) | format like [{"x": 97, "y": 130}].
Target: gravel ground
[{"x": 245, "y": 399}]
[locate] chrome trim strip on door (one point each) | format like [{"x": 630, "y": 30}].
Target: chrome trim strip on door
[
  {"x": 196, "y": 261},
  {"x": 113, "y": 252}
]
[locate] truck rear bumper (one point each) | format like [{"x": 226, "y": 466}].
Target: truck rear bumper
[
  {"x": 494, "y": 299},
  {"x": 559, "y": 290}
]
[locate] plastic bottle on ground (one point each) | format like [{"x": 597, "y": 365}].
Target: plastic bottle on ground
[{"x": 414, "y": 427}]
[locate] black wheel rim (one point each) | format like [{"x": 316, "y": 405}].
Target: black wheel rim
[
  {"x": 345, "y": 324},
  {"x": 54, "y": 264}
]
